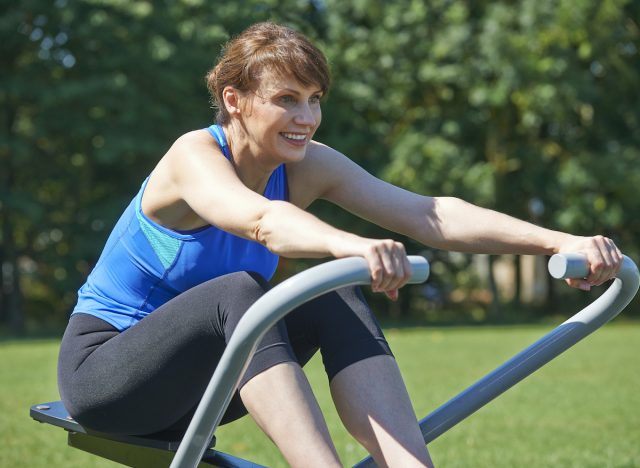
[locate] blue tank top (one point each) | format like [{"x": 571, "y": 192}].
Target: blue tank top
[{"x": 143, "y": 264}]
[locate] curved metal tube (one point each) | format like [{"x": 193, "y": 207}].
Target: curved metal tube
[
  {"x": 257, "y": 320},
  {"x": 602, "y": 310}
]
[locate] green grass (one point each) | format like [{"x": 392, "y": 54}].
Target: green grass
[{"x": 581, "y": 410}]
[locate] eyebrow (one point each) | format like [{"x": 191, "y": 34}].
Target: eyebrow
[{"x": 293, "y": 91}]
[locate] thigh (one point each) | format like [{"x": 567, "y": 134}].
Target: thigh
[
  {"x": 152, "y": 375},
  {"x": 340, "y": 324}
]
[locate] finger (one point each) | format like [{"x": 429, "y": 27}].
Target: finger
[
  {"x": 407, "y": 268},
  {"x": 579, "y": 284},
  {"x": 617, "y": 256},
  {"x": 402, "y": 267},
  {"x": 605, "y": 268},
  {"x": 596, "y": 261},
  {"x": 611, "y": 263},
  {"x": 375, "y": 269},
  {"x": 620, "y": 256},
  {"x": 389, "y": 266},
  {"x": 392, "y": 294}
]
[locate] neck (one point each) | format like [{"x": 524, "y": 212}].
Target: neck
[{"x": 247, "y": 160}]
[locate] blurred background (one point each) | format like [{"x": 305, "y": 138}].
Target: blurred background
[{"x": 528, "y": 107}]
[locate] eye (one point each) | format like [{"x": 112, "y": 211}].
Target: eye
[
  {"x": 315, "y": 99},
  {"x": 287, "y": 99}
]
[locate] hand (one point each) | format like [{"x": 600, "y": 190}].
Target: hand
[
  {"x": 603, "y": 256},
  {"x": 389, "y": 266}
]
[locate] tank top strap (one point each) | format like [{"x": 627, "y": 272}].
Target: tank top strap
[
  {"x": 217, "y": 133},
  {"x": 277, "y": 187}
]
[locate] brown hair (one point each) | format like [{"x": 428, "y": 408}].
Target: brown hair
[{"x": 265, "y": 46}]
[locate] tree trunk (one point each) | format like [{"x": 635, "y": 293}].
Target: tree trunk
[
  {"x": 517, "y": 278},
  {"x": 494, "y": 307},
  {"x": 550, "y": 303},
  {"x": 10, "y": 273},
  {"x": 11, "y": 291},
  {"x": 3, "y": 304},
  {"x": 11, "y": 295}
]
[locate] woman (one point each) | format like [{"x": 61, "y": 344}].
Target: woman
[{"x": 197, "y": 245}]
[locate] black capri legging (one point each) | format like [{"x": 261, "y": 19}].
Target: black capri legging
[{"x": 150, "y": 377}]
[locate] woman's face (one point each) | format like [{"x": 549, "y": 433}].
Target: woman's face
[{"x": 280, "y": 117}]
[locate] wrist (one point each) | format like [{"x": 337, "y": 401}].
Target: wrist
[
  {"x": 560, "y": 241},
  {"x": 345, "y": 244}
]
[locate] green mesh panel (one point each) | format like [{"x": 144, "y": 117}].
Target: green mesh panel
[{"x": 165, "y": 246}]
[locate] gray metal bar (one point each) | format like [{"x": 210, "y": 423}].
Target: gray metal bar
[
  {"x": 602, "y": 310},
  {"x": 257, "y": 320}
]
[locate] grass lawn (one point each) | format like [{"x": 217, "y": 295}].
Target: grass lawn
[{"x": 581, "y": 410}]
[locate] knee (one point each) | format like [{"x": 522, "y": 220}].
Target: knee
[
  {"x": 235, "y": 294},
  {"x": 344, "y": 307},
  {"x": 249, "y": 284},
  {"x": 242, "y": 287},
  {"x": 248, "y": 281}
]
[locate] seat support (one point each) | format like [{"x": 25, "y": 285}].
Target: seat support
[{"x": 135, "y": 451}]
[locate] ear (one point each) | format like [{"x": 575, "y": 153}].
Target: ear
[{"x": 232, "y": 98}]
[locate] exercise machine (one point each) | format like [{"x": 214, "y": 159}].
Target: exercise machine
[{"x": 197, "y": 447}]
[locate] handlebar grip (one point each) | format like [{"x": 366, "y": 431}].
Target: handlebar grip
[
  {"x": 568, "y": 265},
  {"x": 419, "y": 269},
  {"x": 573, "y": 265}
]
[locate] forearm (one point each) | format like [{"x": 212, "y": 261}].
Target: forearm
[
  {"x": 291, "y": 232},
  {"x": 453, "y": 224}
]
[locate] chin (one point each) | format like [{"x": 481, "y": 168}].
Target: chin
[{"x": 294, "y": 157}]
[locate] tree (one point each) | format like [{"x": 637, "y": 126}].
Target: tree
[
  {"x": 93, "y": 93},
  {"x": 509, "y": 105},
  {"x": 512, "y": 106}
]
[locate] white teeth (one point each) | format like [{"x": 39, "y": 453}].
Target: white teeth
[{"x": 294, "y": 136}]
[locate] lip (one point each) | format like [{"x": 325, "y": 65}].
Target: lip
[{"x": 300, "y": 142}]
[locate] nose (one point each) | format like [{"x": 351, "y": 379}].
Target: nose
[{"x": 306, "y": 115}]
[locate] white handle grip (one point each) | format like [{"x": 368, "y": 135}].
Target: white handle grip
[{"x": 574, "y": 265}]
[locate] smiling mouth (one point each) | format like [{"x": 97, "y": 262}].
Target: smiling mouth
[{"x": 294, "y": 137}]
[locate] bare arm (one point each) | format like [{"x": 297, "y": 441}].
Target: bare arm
[
  {"x": 450, "y": 223},
  {"x": 209, "y": 185},
  {"x": 453, "y": 224},
  {"x": 211, "y": 188},
  {"x": 442, "y": 222}
]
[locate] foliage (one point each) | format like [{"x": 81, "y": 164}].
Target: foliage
[
  {"x": 528, "y": 107},
  {"x": 93, "y": 93}
]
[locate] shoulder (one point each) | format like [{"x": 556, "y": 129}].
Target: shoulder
[
  {"x": 163, "y": 198},
  {"x": 199, "y": 139},
  {"x": 194, "y": 151},
  {"x": 193, "y": 157},
  {"x": 317, "y": 174},
  {"x": 317, "y": 157}
]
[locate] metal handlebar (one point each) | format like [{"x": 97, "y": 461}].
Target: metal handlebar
[
  {"x": 606, "y": 307},
  {"x": 260, "y": 317}
]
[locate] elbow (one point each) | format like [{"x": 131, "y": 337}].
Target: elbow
[
  {"x": 442, "y": 203},
  {"x": 433, "y": 225},
  {"x": 444, "y": 207},
  {"x": 429, "y": 222},
  {"x": 261, "y": 231},
  {"x": 266, "y": 225},
  {"x": 258, "y": 233}
]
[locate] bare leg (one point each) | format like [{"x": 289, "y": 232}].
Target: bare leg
[
  {"x": 374, "y": 406},
  {"x": 283, "y": 405}
]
